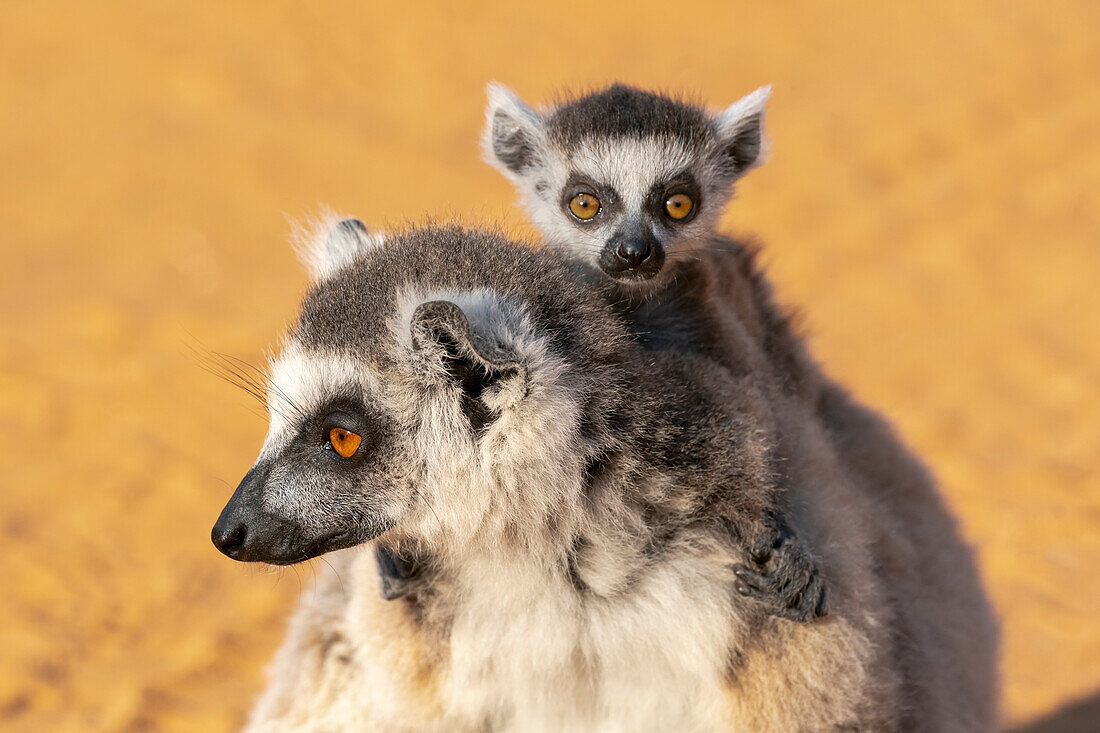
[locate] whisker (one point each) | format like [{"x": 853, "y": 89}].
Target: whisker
[
  {"x": 222, "y": 367},
  {"x": 252, "y": 379},
  {"x": 339, "y": 577},
  {"x": 298, "y": 577},
  {"x": 723, "y": 250}
]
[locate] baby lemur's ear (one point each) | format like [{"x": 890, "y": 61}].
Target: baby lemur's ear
[
  {"x": 473, "y": 359},
  {"x": 332, "y": 244},
  {"x": 514, "y": 136},
  {"x": 740, "y": 131}
]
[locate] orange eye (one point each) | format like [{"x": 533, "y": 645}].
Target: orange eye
[
  {"x": 584, "y": 206},
  {"x": 344, "y": 442},
  {"x": 679, "y": 205}
]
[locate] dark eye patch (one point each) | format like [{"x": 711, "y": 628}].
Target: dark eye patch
[
  {"x": 658, "y": 194},
  {"x": 577, "y": 183},
  {"x": 345, "y": 411}
]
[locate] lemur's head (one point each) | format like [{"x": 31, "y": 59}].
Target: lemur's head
[
  {"x": 436, "y": 385},
  {"x": 623, "y": 176}
]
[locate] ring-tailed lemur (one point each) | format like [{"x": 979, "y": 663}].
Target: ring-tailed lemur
[
  {"x": 484, "y": 403},
  {"x": 623, "y": 177},
  {"x": 634, "y": 182}
]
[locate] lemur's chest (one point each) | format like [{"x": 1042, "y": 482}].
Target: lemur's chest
[
  {"x": 534, "y": 655},
  {"x": 520, "y": 650}
]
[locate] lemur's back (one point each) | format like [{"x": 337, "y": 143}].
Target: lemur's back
[{"x": 944, "y": 636}]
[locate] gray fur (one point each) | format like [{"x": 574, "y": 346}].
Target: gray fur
[
  {"x": 633, "y": 149},
  {"x": 708, "y": 296},
  {"x": 582, "y": 541}
]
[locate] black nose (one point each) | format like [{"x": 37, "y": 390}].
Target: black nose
[
  {"x": 229, "y": 535},
  {"x": 634, "y": 252},
  {"x": 241, "y": 525}
]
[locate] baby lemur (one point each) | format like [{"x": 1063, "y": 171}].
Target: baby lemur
[
  {"x": 578, "y": 493},
  {"x": 634, "y": 182}
]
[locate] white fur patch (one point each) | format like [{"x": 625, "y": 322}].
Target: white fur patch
[
  {"x": 327, "y": 244},
  {"x": 751, "y": 104},
  {"x": 302, "y": 380},
  {"x": 506, "y": 108},
  {"x": 750, "y": 109},
  {"x": 630, "y": 165}
]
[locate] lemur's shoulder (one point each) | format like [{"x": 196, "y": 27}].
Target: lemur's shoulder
[{"x": 732, "y": 287}]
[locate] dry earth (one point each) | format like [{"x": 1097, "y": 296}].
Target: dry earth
[{"x": 931, "y": 204}]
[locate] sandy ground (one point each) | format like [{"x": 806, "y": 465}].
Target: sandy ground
[{"x": 931, "y": 205}]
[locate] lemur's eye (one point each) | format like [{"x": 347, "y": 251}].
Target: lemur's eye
[
  {"x": 584, "y": 206},
  {"x": 344, "y": 442},
  {"x": 679, "y": 205}
]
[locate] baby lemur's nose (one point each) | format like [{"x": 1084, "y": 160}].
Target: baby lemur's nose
[{"x": 634, "y": 252}]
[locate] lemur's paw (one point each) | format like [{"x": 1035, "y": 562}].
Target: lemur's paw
[{"x": 784, "y": 578}]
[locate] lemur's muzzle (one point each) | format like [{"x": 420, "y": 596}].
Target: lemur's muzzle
[
  {"x": 632, "y": 254},
  {"x": 246, "y": 532}
]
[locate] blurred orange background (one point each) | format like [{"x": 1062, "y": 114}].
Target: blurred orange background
[{"x": 931, "y": 204}]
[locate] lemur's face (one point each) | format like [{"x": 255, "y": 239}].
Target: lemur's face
[
  {"x": 330, "y": 473},
  {"x": 626, "y": 179},
  {"x": 395, "y": 409},
  {"x": 627, "y": 204}
]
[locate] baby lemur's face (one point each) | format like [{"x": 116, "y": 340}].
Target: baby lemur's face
[{"x": 625, "y": 178}]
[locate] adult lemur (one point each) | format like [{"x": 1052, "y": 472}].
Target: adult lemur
[
  {"x": 490, "y": 405},
  {"x": 634, "y": 182}
]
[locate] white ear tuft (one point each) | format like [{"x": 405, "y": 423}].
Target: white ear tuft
[
  {"x": 740, "y": 129},
  {"x": 329, "y": 245},
  {"x": 748, "y": 105},
  {"x": 514, "y": 132}
]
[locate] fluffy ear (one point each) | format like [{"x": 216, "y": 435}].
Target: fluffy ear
[
  {"x": 514, "y": 135},
  {"x": 481, "y": 369},
  {"x": 740, "y": 131},
  {"x": 334, "y": 245}
]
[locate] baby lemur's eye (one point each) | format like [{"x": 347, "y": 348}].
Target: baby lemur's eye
[
  {"x": 344, "y": 442},
  {"x": 679, "y": 205},
  {"x": 584, "y": 206}
]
